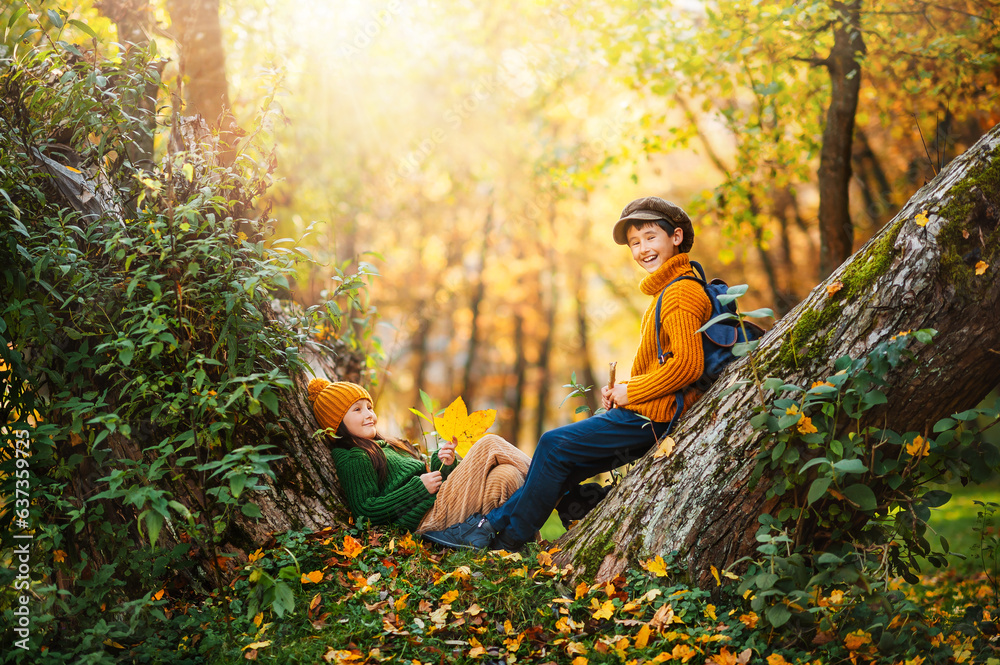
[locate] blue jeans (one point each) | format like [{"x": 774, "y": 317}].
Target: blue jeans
[{"x": 567, "y": 456}]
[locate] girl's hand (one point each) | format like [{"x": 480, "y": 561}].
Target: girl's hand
[
  {"x": 446, "y": 453},
  {"x": 432, "y": 481}
]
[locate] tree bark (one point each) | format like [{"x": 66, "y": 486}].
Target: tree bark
[
  {"x": 133, "y": 21},
  {"x": 836, "y": 230},
  {"x": 475, "y": 305},
  {"x": 697, "y": 501},
  {"x": 195, "y": 23}
]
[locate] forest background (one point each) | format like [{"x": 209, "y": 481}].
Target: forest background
[
  {"x": 465, "y": 163},
  {"x": 476, "y": 157}
]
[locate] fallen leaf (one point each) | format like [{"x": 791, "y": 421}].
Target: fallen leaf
[
  {"x": 464, "y": 428},
  {"x": 606, "y": 611},
  {"x": 642, "y": 639},
  {"x": 581, "y": 590},
  {"x": 921, "y": 218},
  {"x": 777, "y": 659},
  {"x": 352, "y": 547},
  {"x": 656, "y": 566},
  {"x": 665, "y": 447},
  {"x": 257, "y": 645},
  {"x": 715, "y": 574},
  {"x": 834, "y": 287},
  {"x": 576, "y": 648},
  {"x": 857, "y": 639},
  {"x": 450, "y": 596},
  {"x": 981, "y": 267},
  {"x": 315, "y": 577},
  {"x": 314, "y": 603},
  {"x": 663, "y": 617}
]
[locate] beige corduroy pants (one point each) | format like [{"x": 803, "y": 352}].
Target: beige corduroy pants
[{"x": 489, "y": 474}]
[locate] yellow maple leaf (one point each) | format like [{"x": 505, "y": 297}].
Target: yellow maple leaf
[
  {"x": 464, "y": 428},
  {"x": 981, "y": 267},
  {"x": 777, "y": 659},
  {"x": 749, "y": 620},
  {"x": 665, "y": 447},
  {"x": 59, "y": 556},
  {"x": 581, "y": 590},
  {"x": 256, "y": 555},
  {"x": 450, "y": 596},
  {"x": 579, "y": 660},
  {"x": 656, "y": 566},
  {"x": 606, "y": 611},
  {"x": 919, "y": 447},
  {"x": 352, "y": 547},
  {"x": 921, "y": 218},
  {"x": 159, "y": 594},
  {"x": 315, "y": 577},
  {"x": 710, "y": 612},
  {"x": 834, "y": 287}
]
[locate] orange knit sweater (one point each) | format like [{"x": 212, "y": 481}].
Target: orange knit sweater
[{"x": 685, "y": 308}]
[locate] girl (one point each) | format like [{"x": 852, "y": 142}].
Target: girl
[{"x": 386, "y": 481}]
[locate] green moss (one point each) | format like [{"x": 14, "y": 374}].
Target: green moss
[
  {"x": 802, "y": 342},
  {"x": 865, "y": 269},
  {"x": 591, "y": 554},
  {"x": 810, "y": 336},
  {"x": 960, "y": 237}
]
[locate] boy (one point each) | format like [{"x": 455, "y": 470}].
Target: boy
[{"x": 640, "y": 410}]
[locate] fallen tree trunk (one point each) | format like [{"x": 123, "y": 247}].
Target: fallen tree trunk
[{"x": 914, "y": 274}]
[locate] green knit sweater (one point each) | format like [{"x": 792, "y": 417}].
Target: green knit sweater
[{"x": 402, "y": 500}]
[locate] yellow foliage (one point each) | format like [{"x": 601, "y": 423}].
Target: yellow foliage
[{"x": 462, "y": 427}]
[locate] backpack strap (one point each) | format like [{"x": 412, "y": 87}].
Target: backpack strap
[{"x": 659, "y": 306}]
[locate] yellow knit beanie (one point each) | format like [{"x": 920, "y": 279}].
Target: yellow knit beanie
[{"x": 332, "y": 400}]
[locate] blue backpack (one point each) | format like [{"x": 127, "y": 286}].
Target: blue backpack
[{"x": 717, "y": 340}]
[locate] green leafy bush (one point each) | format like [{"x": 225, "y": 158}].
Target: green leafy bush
[
  {"x": 141, "y": 351},
  {"x": 852, "y": 500}
]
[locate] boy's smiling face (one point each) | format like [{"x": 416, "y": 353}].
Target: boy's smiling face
[{"x": 652, "y": 246}]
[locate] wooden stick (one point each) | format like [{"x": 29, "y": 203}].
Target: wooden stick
[{"x": 611, "y": 381}]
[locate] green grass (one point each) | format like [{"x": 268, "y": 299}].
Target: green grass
[{"x": 957, "y": 522}]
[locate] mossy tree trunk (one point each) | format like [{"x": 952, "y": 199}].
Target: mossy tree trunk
[{"x": 698, "y": 501}]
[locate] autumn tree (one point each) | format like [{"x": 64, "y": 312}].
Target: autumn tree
[
  {"x": 819, "y": 96},
  {"x": 750, "y": 447}
]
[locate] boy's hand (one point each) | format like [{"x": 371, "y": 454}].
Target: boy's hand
[
  {"x": 617, "y": 396},
  {"x": 432, "y": 481},
  {"x": 446, "y": 453}
]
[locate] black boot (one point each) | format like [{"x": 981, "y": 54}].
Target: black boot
[
  {"x": 475, "y": 532},
  {"x": 580, "y": 500}
]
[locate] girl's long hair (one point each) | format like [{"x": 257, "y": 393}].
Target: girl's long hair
[{"x": 345, "y": 439}]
